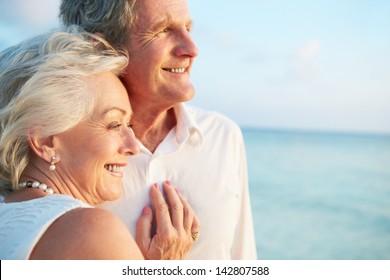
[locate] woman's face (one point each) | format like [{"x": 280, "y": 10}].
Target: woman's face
[{"x": 92, "y": 155}]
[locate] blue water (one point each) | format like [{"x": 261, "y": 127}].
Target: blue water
[{"x": 319, "y": 195}]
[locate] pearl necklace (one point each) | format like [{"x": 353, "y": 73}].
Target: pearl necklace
[{"x": 36, "y": 184}]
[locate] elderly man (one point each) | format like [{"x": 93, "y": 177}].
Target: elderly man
[{"x": 200, "y": 152}]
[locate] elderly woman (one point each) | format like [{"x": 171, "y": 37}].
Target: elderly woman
[{"x": 65, "y": 137}]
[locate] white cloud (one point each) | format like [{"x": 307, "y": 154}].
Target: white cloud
[
  {"x": 226, "y": 39},
  {"x": 37, "y": 13},
  {"x": 20, "y": 19},
  {"x": 309, "y": 50},
  {"x": 306, "y": 71}
]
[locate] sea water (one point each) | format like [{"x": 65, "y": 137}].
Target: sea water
[{"x": 319, "y": 195}]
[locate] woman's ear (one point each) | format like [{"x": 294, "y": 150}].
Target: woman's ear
[{"x": 42, "y": 147}]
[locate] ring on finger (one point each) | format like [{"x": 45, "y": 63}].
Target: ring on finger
[{"x": 195, "y": 235}]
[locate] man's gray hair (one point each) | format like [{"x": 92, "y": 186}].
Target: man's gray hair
[{"x": 113, "y": 19}]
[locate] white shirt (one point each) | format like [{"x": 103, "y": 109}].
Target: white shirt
[
  {"x": 22, "y": 224},
  {"x": 204, "y": 157}
]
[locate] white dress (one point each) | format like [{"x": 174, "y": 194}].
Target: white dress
[{"x": 22, "y": 224}]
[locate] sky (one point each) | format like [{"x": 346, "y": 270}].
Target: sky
[{"x": 319, "y": 65}]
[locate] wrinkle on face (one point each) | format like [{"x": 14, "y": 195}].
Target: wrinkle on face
[
  {"x": 145, "y": 32},
  {"x": 145, "y": 39},
  {"x": 159, "y": 49}
]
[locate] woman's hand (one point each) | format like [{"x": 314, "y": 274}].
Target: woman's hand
[{"x": 177, "y": 226}]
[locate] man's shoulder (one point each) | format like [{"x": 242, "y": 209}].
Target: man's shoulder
[{"x": 204, "y": 117}]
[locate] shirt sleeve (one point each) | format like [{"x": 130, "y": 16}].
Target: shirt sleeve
[{"x": 244, "y": 246}]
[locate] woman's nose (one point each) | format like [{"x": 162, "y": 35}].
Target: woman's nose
[{"x": 130, "y": 143}]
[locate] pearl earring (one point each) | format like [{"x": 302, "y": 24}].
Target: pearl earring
[{"x": 52, "y": 163}]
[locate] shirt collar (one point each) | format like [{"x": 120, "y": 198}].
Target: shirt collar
[{"x": 186, "y": 126}]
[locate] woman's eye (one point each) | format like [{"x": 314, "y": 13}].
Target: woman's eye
[{"x": 114, "y": 126}]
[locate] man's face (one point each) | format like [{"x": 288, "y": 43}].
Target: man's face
[{"x": 161, "y": 55}]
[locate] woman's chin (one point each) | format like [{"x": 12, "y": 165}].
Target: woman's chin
[{"x": 112, "y": 194}]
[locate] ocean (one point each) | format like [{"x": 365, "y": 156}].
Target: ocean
[{"x": 319, "y": 196}]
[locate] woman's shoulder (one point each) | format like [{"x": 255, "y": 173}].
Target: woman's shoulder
[{"x": 87, "y": 233}]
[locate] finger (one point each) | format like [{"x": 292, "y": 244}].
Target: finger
[
  {"x": 191, "y": 220},
  {"x": 189, "y": 214},
  {"x": 163, "y": 219},
  {"x": 175, "y": 205},
  {"x": 195, "y": 225},
  {"x": 195, "y": 229},
  {"x": 143, "y": 231}
]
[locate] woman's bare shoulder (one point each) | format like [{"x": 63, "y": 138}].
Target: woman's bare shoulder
[{"x": 87, "y": 233}]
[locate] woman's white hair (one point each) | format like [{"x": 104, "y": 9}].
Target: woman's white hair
[{"x": 44, "y": 87}]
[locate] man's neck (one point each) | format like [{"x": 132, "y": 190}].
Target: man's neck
[{"x": 151, "y": 129}]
